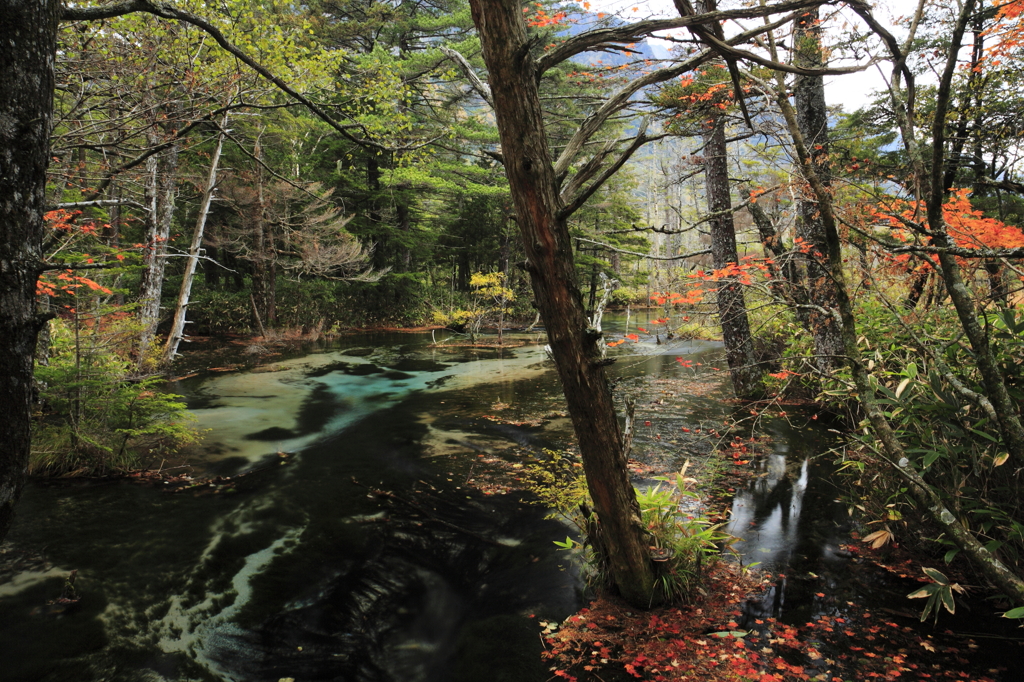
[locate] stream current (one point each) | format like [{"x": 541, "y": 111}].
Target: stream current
[{"x": 365, "y": 553}]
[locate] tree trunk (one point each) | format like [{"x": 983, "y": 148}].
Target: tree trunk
[
  {"x": 28, "y": 40},
  {"x": 732, "y": 308},
  {"x": 160, "y": 200},
  {"x": 262, "y": 269},
  {"x": 917, "y": 287},
  {"x": 548, "y": 247},
  {"x": 373, "y": 173},
  {"x": 787, "y": 280},
  {"x": 812, "y": 117},
  {"x": 405, "y": 227},
  {"x": 178, "y": 328},
  {"x": 264, "y": 258}
]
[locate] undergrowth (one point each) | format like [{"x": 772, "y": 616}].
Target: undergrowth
[{"x": 682, "y": 545}]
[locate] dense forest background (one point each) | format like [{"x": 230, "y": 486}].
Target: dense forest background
[{"x": 402, "y": 168}]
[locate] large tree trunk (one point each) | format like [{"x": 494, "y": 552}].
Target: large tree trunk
[
  {"x": 28, "y": 39},
  {"x": 178, "y": 327},
  {"x": 732, "y": 308},
  {"x": 812, "y": 117},
  {"x": 160, "y": 197},
  {"x": 548, "y": 248}
]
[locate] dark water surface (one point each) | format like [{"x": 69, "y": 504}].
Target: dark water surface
[
  {"x": 304, "y": 569},
  {"x": 301, "y": 570}
]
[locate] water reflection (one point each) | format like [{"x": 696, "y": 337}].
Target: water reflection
[
  {"x": 767, "y": 513},
  {"x": 405, "y": 574}
]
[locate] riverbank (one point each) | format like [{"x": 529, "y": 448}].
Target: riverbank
[{"x": 781, "y": 620}]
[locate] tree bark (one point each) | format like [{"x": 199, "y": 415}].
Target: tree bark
[
  {"x": 812, "y": 117},
  {"x": 28, "y": 45},
  {"x": 160, "y": 200},
  {"x": 548, "y": 247},
  {"x": 178, "y": 327},
  {"x": 732, "y": 308}
]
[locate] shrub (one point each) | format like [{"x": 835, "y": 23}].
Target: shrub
[
  {"x": 681, "y": 544},
  {"x": 95, "y": 416}
]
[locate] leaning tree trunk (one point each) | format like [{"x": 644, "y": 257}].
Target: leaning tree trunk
[
  {"x": 178, "y": 327},
  {"x": 732, "y": 308},
  {"x": 812, "y": 117},
  {"x": 548, "y": 246},
  {"x": 28, "y": 39}
]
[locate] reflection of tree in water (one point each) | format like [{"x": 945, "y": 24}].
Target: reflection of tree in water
[
  {"x": 766, "y": 515},
  {"x": 790, "y": 521}
]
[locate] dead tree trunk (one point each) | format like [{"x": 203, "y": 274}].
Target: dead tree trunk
[
  {"x": 178, "y": 327},
  {"x": 160, "y": 200}
]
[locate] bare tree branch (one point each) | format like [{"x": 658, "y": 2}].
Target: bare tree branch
[
  {"x": 959, "y": 251},
  {"x": 478, "y": 85},
  {"x": 726, "y": 50},
  {"x": 178, "y": 135},
  {"x": 590, "y": 168},
  {"x": 863, "y": 10},
  {"x": 574, "y": 202},
  {"x": 643, "y": 255},
  {"x": 621, "y": 98},
  {"x": 614, "y": 103},
  {"x": 610, "y": 38},
  {"x": 97, "y": 203},
  {"x": 1008, "y": 185}
]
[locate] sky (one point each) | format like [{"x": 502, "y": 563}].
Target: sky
[{"x": 852, "y": 91}]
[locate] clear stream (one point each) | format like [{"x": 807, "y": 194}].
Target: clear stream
[{"x": 301, "y": 569}]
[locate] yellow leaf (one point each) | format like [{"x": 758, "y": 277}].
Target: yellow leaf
[
  {"x": 878, "y": 538},
  {"x": 902, "y": 387}
]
